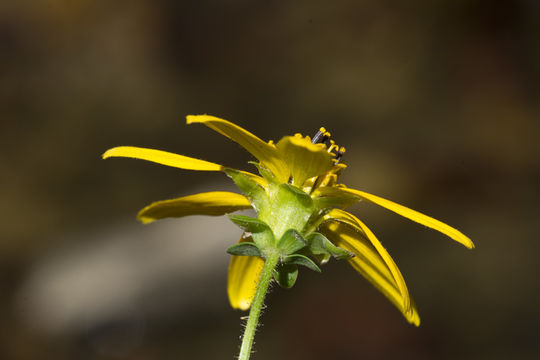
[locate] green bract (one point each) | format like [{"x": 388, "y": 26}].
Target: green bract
[
  {"x": 286, "y": 275},
  {"x": 284, "y": 213}
]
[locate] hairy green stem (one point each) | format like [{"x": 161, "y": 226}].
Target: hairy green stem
[{"x": 256, "y": 305}]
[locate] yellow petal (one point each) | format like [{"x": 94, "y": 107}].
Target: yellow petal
[
  {"x": 414, "y": 216},
  {"x": 304, "y": 159},
  {"x": 162, "y": 157},
  {"x": 244, "y": 274},
  {"x": 263, "y": 151},
  {"x": 347, "y": 238},
  {"x": 369, "y": 264},
  {"x": 359, "y": 226},
  {"x": 210, "y": 203}
]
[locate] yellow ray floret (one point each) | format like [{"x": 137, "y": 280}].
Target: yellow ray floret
[
  {"x": 370, "y": 265},
  {"x": 266, "y": 153},
  {"x": 242, "y": 280},
  {"x": 355, "y": 223},
  {"x": 162, "y": 157},
  {"x": 210, "y": 203},
  {"x": 409, "y": 214}
]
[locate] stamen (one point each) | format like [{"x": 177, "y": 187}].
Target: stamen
[
  {"x": 320, "y": 136},
  {"x": 323, "y": 136},
  {"x": 327, "y": 180},
  {"x": 326, "y": 138},
  {"x": 340, "y": 154},
  {"x": 332, "y": 146}
]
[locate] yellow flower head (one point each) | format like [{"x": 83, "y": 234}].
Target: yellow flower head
[{"x": 300, "y": 215}]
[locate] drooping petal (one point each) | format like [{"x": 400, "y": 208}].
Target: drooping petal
[
  {"x": 369, "y": 264},
  {"x": 305, "y": 159},
  {"x": 413, "y": 215},
  {"x": 347, "y": 238},
  {"x": 355, "y": 223},
  {"x": 243, "y": 277},
  {"x": 266, "y": 153},
  {"x": 162, "y": 157},
  {"x": 210, "y": 203}
]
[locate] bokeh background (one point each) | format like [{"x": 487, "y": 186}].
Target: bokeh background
[{"x": 436, "y": 102}]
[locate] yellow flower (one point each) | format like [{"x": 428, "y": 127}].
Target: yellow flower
[{"x": 300, "y": 212}]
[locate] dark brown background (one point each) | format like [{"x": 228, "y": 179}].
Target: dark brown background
[{"x": 436, "y": 102}]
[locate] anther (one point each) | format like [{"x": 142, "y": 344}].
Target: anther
[
  {"x": 326, "y": 139},
  {"x": 332, "y": 146},
  {"x": 321, "y": 136},
  {"x": 340, "y": 154}
]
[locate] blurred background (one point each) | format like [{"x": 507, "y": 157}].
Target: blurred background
[{"x": 436, "y": 102}]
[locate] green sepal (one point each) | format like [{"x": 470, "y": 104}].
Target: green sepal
[
  {"x": 253, "y": 191},
  {"x": 323, "y": 258},
  {"x": 291, "y": 242},
  {"x": 294, "y": 204},
  {"x": 319, "y": 245},
  {"x": 285, "y": 275},
  {"x": 248, "y": 223},
  {"x": 331, "y": 197},
  {"x": 291, "y": 208},
  {"x": 245, "y": 249},
  {"x": 264, "y": 172},
  {"x": 260, "y": 231},
  {"x": 298, "y": 259},
  {"x": 316, "y": 219},
  {"x": 329, "y": 202},
  {"x": 302, "y": 198}
]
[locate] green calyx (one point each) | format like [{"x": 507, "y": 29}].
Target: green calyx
[
  {"x": 260, "y": 231},
  {"x": 293, "y": 249},
  {"x": 284, "y": 226},
  {"x": 286, "y": 275}
]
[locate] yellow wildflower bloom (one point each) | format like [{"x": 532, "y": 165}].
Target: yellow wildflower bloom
[{"x": 300, "y": 212}]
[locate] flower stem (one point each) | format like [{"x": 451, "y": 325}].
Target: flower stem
[{"x": 256, "y": 305}]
